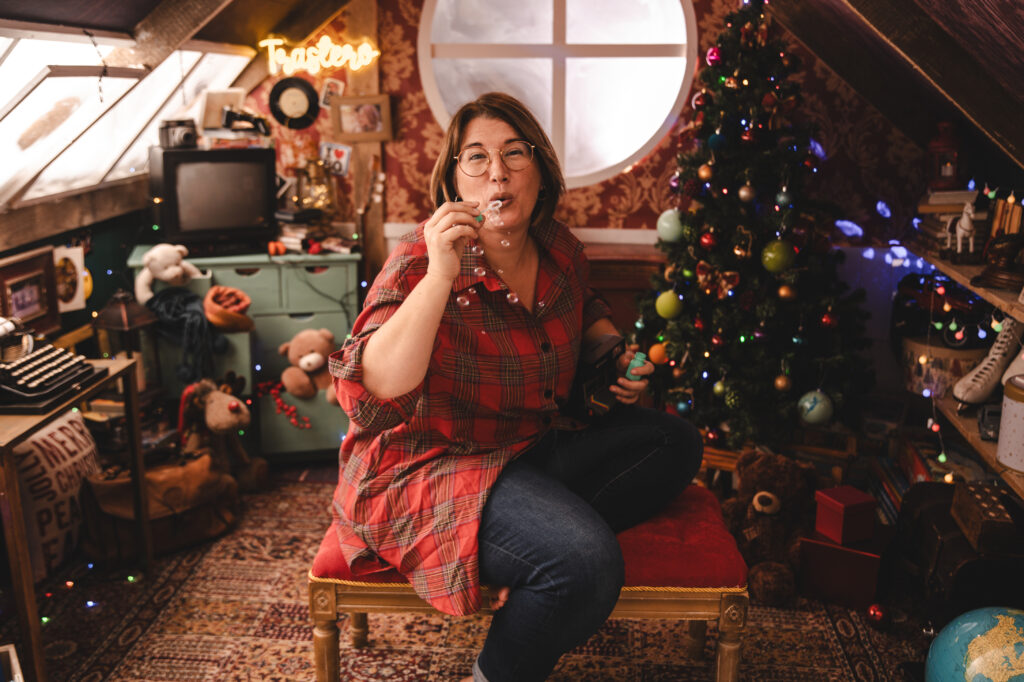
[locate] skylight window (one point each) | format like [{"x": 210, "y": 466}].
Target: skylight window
[{"x": 67, "y": 124}]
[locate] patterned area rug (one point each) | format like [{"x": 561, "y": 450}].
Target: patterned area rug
[{"x": 235, "y": 609}]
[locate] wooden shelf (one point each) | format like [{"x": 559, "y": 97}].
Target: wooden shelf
[
  {"x": 1003, "y": 299},
  {"x": 968, "y": 427}
]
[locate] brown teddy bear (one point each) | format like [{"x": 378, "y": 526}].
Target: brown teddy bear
[
  {"x": 307, "y": 353},
  {"x": 209, "y": 421},
  {"x": 773, "y": 507}
]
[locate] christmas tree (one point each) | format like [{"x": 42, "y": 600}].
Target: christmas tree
[{"x": 753, "y": 331}]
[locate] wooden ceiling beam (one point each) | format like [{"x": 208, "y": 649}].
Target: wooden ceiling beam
[
  {"x": 901, "y": 36},
  {"x": 307, "y": 18},
  {"x": 163, "y": 30}
]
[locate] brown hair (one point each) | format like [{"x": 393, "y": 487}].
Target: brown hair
[{"x": 498, "y": 105}]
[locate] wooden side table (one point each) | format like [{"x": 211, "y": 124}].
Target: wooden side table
[{"x": 15, "y": 429}]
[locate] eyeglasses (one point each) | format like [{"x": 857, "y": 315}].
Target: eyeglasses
[{"x": 474, "y": 161}]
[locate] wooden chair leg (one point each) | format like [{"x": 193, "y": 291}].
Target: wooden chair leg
[
  {"x": 732, "y": 620},
  {"x": 696, "y": 632},
  {"x": 326, "y": 654},
  {"x": 358, "y": 629}
]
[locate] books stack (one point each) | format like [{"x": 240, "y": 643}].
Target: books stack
[
  {"x": 936, "y": 211},
  {"x": 1006, "y": 215}
]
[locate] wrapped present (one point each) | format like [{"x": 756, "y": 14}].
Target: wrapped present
[{"x": 845, "y": 514}]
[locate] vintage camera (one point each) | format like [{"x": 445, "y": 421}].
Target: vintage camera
[
  {"x": 591, "y": 396},
  {"x": 178, "y": 134}
]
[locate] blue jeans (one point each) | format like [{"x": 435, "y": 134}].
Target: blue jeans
[{"x": 548, "y": 532}]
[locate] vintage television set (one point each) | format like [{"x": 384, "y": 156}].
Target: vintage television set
[{"x": 214, "y": 199}]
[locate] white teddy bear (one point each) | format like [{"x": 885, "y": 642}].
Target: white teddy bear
[{"x": 164, "y": 262}]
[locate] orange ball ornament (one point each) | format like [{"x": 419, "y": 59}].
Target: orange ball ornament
[
  {"x": 787, "y": 292},
  {"x": 705, "y": 172},
  {"x": 658, "y": 354},
  {"x": 782, "y": 383}
]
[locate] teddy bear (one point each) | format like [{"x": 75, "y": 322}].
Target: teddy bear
[
  {"x": 164, "y": 262},
  {"x": 307, "y": 373},
  {"x": 209, "y": 420},
  {"x": 773, "y": 507}
]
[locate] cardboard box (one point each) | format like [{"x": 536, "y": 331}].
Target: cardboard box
[{"x": 845, "y": 514}]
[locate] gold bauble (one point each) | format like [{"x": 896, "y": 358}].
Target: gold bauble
[
  {"x": 705, "y": 172},
  {"x": 782, "y": 383},
  {"x": 786, "y": 292}
]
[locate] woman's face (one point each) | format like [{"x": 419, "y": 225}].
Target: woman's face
[{"x": 517, "y": 189}]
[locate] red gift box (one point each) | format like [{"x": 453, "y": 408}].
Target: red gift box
[
  {"x": 845, "y": 514},
  {"x": 840, "y": 574}
]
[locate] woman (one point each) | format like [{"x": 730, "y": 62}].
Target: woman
[{"x": 459, "y": 465}]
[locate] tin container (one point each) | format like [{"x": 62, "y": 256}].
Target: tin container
[{"x": 1010, "y": 449}]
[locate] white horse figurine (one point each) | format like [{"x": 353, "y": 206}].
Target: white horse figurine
[{"x": 964, "y": 228}]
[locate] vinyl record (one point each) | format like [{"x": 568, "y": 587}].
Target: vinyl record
[{"x": 293, "y": 102}]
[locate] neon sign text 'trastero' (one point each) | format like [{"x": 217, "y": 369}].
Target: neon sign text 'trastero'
[{"x": 326, "y": 54}]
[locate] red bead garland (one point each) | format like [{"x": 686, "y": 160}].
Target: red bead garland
[{"x": 274, "y": 389}]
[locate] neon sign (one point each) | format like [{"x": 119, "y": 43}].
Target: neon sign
[{"x": 326, "y": 54}]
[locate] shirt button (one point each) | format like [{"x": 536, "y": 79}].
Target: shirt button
[
  {"x": 546, "y": 347},
  {"x": 548, "y": 393}
]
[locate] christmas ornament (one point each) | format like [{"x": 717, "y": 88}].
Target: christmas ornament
[
  {"x": 716, "y": 140},
  {"x": 747, "y": 193},
  {"x": 683, "y": 406},
  {"x": 829, "y": 321},
  {"x": 669, "y": 305},
  {"x": 718, "y": 388},
  {"x": 711, "y": 280},
  {"x": 714, "y": 56},
  {"x": 678, "y": 372},
  {"x": 878, "y": 616},
  {"x": 731, "y": 83},
  {"x": 733, "y": 399},
  {"x": 747, "y": 135},
  {"x": 769, "y": 102},
  {"x": 657, "y": 354},
  {"x": 670, "y": 272},
  {"x": 740, "y": 251},
  {"x": 705, "y": 172},
  {"x": 701, "y": 99},
  {"x": 786, "y": 292},
  {"x": 783, "y": 198},
  {"x": 716, "y": 340},
  {"x": 669, "y": 227},
  {"x": 815, "y": 407},
  {"x": 777, "y": 256},
  {"x": 708, "y": 240},
  {"x": 782, "y": 383},
  {"x": 673, "y": 182},
  {"x": 698, "y": 324}
]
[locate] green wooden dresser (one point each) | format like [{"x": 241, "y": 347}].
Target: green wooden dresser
[{"x": 289, "y": 293}]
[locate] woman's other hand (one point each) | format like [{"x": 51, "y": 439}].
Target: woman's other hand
[
  {"x": 625, "y": 390},
  {"x": 446, "y": 234}
]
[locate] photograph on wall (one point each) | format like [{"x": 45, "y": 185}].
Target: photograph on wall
[{"x": 361, "y": 119}]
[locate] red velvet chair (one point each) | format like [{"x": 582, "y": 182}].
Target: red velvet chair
[{"x": 682, "y": 565}]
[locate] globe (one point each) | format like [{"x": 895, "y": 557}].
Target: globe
[
  {"x": 983, "y": 645},
  {"x": 815, "y": 407}
]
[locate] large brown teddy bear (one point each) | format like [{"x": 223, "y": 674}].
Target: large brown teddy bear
[
  {"x": 209, "y": 421},
  {"x": 774, "y": 505},
  {"x": 307, "y": 354}
]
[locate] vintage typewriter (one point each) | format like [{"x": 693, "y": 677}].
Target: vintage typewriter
[{"x": 38, "y": 378}]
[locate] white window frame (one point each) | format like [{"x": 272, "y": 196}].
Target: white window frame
[{"x": 558, "y": 51}]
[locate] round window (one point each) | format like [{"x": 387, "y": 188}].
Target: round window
[{"x": 605, "y": 78}]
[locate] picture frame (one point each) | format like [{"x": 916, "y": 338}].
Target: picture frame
[
  {"x": 28, "y": 290},
  {"x": 331, "y": 88},
  {"x": 365, "y": 118}
]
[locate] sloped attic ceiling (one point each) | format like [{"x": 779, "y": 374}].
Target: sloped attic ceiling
[
  {"x": 144, "y": 32},
  {"x": 923, "y": 61}
]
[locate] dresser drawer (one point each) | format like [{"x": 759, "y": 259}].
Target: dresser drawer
[
  {"x": 282, "y": 443},
  {"x": 271, "y": 331},
  {"x": 312, "y": 288}
]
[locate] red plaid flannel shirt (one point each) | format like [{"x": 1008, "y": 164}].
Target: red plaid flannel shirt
[{"x": 416, "y": 469}]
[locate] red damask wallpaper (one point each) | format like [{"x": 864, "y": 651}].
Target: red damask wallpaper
[{"x": 868, "y": 159}]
